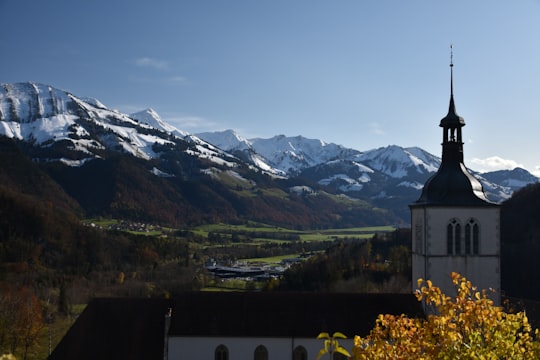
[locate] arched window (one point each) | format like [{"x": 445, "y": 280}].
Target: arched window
[
  {"x": 260, "y": 353},
  {"x": 472, "y": 242},
  {"x": 300, "y": 353},
  {"x": 221, "y": 353},
  {"x": 453, "y": 238}
]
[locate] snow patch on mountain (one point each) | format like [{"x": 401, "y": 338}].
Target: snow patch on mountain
[
  {"x": 346, "y": 183},
  {"x": 151, "y": 117},
  {"x": 94, "y": 102},
  {"x": 424, "y": 159},
  {"x": 292, "y": 154},
  {"x": 75, "y": 163},
  {"x": 412, "y": 184},
  {"x": 514, "y": 179},
  {"x": 44, "y": 115},
  {"x": 228, "y": 140},
  {"x": 396, "y": 161},
  {"x": 215, "y": 156},
  {"x": 231, "y": 142},
  {"x": 160, "y": 173}
]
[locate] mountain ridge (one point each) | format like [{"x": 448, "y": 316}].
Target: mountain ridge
[{"x": 58, "y": 127}]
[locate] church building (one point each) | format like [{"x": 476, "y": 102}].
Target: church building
[{"x": 455, "y": 228}]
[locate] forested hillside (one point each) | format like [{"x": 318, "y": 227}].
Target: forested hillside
[{"x": 125, "y": 187}]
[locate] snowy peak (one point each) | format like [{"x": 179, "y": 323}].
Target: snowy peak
[
  {"x": 77, "y": 130},
  {"x": 513, "y": 179},
  {"x": 94, "y": 102},
  {"x": 293, "y": 154},
  {"x": 398, "y": 162},
  {"x": 27, "y": 102},
  {"x": 401, "y": 170},
  {"x": 231, "y": 142},
  {"x": 152, "y": 118},
  {"x": 228, "y": 140},
  {"x": 149, "y": 117},
  {"x": 288, "y": 155}
]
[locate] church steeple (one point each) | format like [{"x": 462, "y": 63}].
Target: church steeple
[
  {"x": 453, "y": 183},
  {"x": 452, "y": 124},
  {"x": 455, "y": 228}
]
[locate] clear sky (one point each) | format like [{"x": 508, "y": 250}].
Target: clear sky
[{"x": 360, "y": 73}]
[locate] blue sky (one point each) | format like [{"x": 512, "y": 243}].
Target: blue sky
[{"x": 363, "y": 74}]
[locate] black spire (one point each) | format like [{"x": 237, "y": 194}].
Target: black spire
[
  {"x": 452, "y": 119},
  {"x": 453, "y": 184}
]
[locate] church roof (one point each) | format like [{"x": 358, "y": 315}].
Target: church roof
[
  {"x": 117, "y": 328},
  {"x": 453, "y": 185}
]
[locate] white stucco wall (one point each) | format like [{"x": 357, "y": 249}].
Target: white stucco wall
[
  {"x": 430, "y": 259},
  {"x": 437, "y": 219},
  {"x": 203, "y": 348}
]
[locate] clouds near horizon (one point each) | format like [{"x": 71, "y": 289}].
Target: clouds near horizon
[{"x": 494, "y": 163}]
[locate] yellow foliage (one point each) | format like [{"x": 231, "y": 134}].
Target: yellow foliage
[
  {"x": 468, "y": 326},
  {"x": 331, "y": 345}
]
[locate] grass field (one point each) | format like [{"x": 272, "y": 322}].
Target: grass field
[
  {"x": 307, "y": 235},
  {"x": 270, "y": 260}
]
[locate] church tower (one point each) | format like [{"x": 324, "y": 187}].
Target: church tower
[{"x": 455, "y": 228}]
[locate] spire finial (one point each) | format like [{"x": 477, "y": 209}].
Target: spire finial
[{"x": 451, "y": 70}]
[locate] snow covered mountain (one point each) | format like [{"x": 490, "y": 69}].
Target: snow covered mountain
[
  {"x": 514, "y": 179},
  {"x": 292, "y": 154},
  {"x": 295, "y": 154},
  {"x": 239, "y": 146},
  {"x": 390, "y": 173},
  {"x": 398, "y": 162},
  {"x": 152, "y": 118},
  {"x": 74, "y": 130}
]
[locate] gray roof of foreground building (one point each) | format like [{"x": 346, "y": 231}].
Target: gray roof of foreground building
[{"x": 122, "y": 328}]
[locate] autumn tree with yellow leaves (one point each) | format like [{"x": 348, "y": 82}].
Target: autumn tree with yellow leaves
[
  {"x": 20, "y": 320},
  {"x": 468, "y": 326}
]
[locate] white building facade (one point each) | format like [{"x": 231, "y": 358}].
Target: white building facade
[
  {"x": 250, "y": 348},
  {"x": 458, "y": 239}
]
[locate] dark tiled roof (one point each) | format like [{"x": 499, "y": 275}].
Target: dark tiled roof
[
  {"x": 134, "y": 328},
  {"x": 453, "y": 185},
  {"x": 116, "y": 329},
  {"x": 283, "y": 314}
]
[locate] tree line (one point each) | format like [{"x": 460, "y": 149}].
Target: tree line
[{"x": 379, "y": 264}]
